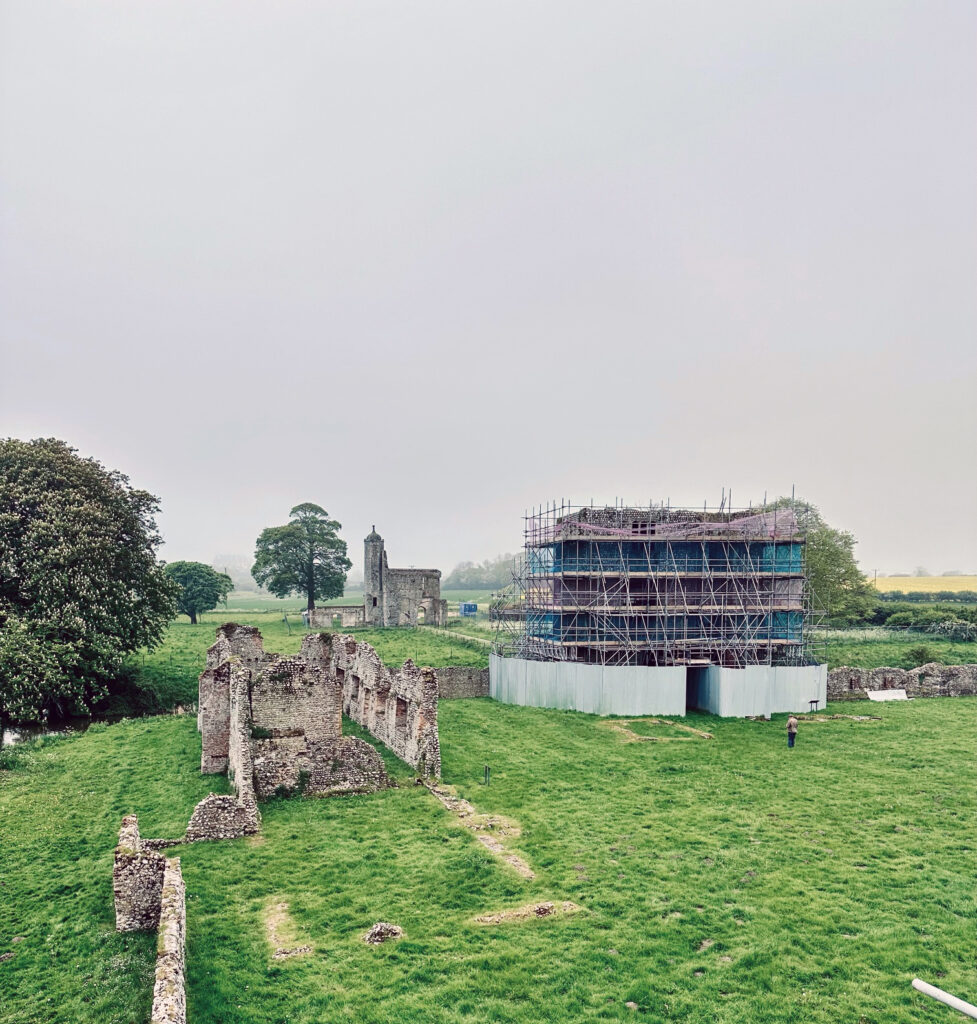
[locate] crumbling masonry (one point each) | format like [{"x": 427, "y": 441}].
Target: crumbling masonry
[
  {"x": 274, "y": 723},
  {"x": 931, "y": 680},
  {"x": 150, "y": 895}
]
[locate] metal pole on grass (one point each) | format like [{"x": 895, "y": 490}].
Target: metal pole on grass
[{"x": 960, "y": 1005}]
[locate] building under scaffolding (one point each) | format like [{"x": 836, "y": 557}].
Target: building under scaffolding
[{"x": 691, "y": 594}]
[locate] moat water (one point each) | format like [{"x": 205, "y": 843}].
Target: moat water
[{"x": 24, "y": 733}]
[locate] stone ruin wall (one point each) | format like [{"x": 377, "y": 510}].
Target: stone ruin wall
[
  {"x": 408, "y": 592},
  {"x": 349, "y": 615},
  {"x": 169, "y": 988},
  {"x": 297, "y": 729},
  {"x": 150, "y": 896},
  {"x": 399, "y": 708},
  {"x": 931, "y": 680},
  {"x": 275, "y": 723},
  {"x": 224, "y": 702},
  {"x": 460, "y": 681},
  {"x": 137, "y": 880}
]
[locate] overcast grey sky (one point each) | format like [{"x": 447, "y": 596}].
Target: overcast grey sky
[{"x": 426, "y": 264}]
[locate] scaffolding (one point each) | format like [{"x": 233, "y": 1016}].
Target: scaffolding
[{"x": 660, "y": 586}]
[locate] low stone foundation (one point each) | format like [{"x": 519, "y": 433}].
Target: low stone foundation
[
  {"x": 459, "y": 681},
  {"x": 150, "y": 896},
  {"x": 169, "y": 990},
  {"x": 137, "y": 880},
  {"x": 344, "y": 765},
  {"x": 930, "y": 680}
]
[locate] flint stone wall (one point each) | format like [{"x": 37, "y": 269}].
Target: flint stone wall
[
  {"x": 169, "y": 990},
  {"x": 234, "y": 645},
  {"x": 930, "y": 680},
  {"x": 399, "y": 708},
  {"x": 343, "y": 765},
  {"x": 460, "y": 681},
  {"x": 283, "y": 725},
  {"x": 348, "y": 615},
  {"x": 137, "y": 880}
]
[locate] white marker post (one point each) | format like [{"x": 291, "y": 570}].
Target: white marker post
[{"x": 944, "y": 997}]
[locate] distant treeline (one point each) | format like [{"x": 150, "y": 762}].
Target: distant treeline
[
  {"x": 950, "y": 621},
  {"x": 929, "y": 597},
  {"x": 492, "y": 574}
]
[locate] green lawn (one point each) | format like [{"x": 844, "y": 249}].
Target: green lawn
[
  {"x": 252, "y": 601},
  {"x": 721, "y": 880}
]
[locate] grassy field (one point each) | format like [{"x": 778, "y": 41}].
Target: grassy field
[
  {"x": 874, "y": 647},
  {"x": 720, "y": 880},
  {"x": 480, "y": 597},
  {"x": 251, "y": 601},
  {"x": 926, "y": 584}
]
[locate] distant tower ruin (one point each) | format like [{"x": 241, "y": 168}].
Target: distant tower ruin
[
  {"x": 391, "y": 597},
  {"x": 399, "y": 597}
]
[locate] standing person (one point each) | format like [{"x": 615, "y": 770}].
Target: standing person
[{"x": 791, "y": 730}]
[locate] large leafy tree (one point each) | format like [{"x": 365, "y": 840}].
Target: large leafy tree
[
  {"x": 80, "y": 584},
  {"x": 837, "y": 584},
  {"x": 201, "y": 587},
  {"x": 305, "y": 556}
]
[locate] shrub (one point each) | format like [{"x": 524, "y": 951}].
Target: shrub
[
  {"x": 921, "y": 654},
  {"x": 954, "y": 629}
]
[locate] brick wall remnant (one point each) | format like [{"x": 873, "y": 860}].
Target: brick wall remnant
[
  {"x": 137, "y": 880},
  {"x": 460, "y": 681},
  {"x": 169, "y": 990},
  {"x": 399, "y": 708},
  {"x": 930, "y": 680}
]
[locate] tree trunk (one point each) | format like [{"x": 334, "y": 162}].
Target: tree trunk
[
  {"x": 193, "y": 617},
  {"x": 310, "y": 585}
]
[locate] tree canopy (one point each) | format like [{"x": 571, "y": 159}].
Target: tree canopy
[
  {"x": 837, "y": 584},
  {"x": 492, "y": 574},
  {"x": 80, "y": 583},
  {"x": 201, "y": 587},
  {"x": 305, "y": 556}
]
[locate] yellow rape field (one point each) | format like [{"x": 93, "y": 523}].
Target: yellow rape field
[{"x": 927, "y": 584}]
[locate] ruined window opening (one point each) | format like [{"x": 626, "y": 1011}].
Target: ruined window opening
[
  {"x": 374, "y": 602},
  {"x": 381, "y": 703},
  {"x": 340, "y": 674},
  {"x": 356, "y": 689},
  {"x": 400, "y": 722}
]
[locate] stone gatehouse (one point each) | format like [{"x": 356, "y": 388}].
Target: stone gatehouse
[{"x": 391, "y": 597}]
